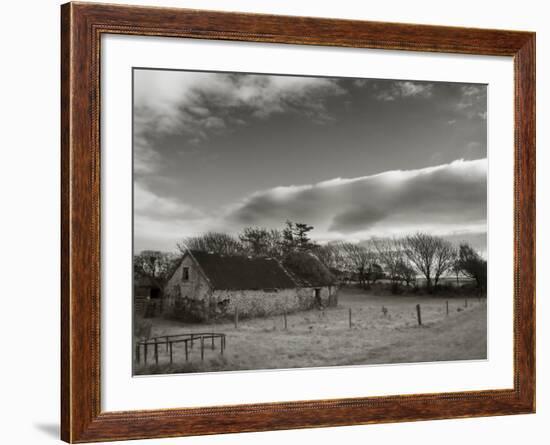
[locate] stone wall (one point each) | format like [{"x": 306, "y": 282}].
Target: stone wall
[
  {"x": 257, "y": 303},
  {"x": 260, "y": 303}
]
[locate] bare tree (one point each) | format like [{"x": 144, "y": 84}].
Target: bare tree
[
  {"x": 374, "y": 272},
  {"x": 456, "y": 268},
  {"x": 330, "y": 255},
  {"x": 406, "y": 272},
  {"x": 259, "y": 241},
  {"x": 391, "y": 256},
  {"x": 431, "y": 255},
  {"x": 216, "y": 242},
  {"x": 420, "y": 250},
  {"x": 358, "y": 258},
  {"x": 445, "y": 256}
]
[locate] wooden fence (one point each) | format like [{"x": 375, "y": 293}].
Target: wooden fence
[{"x": 170, "y": 341}]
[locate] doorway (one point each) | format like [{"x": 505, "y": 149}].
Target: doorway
[{"x": 317, "y": 296}]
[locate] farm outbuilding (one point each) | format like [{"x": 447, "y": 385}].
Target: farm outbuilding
[
  {"x": 210, "y": 285},
  {"x": 147, "y": 296}
]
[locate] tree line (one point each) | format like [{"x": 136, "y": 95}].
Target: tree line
[
  {"x": 255, "y": 241},
  {"x": 400, "y": 260}
]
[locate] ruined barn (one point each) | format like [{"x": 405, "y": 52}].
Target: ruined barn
[{"x": 209, "y": 285}]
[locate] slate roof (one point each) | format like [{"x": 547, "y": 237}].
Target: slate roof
[
  {"x": 236, "y": 272},
  {"x": 233, "y": 272}
]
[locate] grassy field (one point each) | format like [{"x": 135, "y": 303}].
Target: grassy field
[{"x": 384, "y": 329}]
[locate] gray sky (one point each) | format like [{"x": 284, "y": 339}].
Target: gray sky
[{"x": 353, "y": 157}]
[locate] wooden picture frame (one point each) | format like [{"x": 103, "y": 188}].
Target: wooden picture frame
[{"x": 82, "y": 25}]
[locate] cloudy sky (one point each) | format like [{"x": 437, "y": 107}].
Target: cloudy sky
[{"x": 355, "y": 158}]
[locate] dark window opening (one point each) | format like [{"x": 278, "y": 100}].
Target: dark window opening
[{"x": 185, "y": 274}]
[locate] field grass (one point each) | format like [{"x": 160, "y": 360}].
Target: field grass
[{"x": 324, "y": 338}]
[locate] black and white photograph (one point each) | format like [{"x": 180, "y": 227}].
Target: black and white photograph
[
  {"x": 284, "y": 221},
  {"x": 230, "y": 222}
]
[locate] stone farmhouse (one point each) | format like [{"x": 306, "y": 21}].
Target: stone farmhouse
[{"x": 207, "y": 286}]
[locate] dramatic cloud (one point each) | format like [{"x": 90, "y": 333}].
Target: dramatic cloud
[
  {"x": 441, "y": 199},
  {"x": 198, "y": 104},
  {"x": 448, "y": 200},
  {"x": 194, "y": 102},
  {"x": 218, "y": 151}
]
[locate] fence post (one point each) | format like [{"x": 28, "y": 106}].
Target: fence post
[
  {"x": 186, "y": 351},
  {"x": 145, "y": 352},
  {"x": 156, "y": 352},
  {"x": 418, "y": 315},
  {"x": 167, "y": 343},
  {"x": 137, "y": 352},
  {"x": 202, "y": 348},
  {"x": 222, "y": 345},
  {"x": 349, "y": 318},
  {"x": 171, "y": 358},
  {"x": 212, "y": 342},
  {"x": 236, "y": 317},
  {"x": 447, "y": 308}
]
